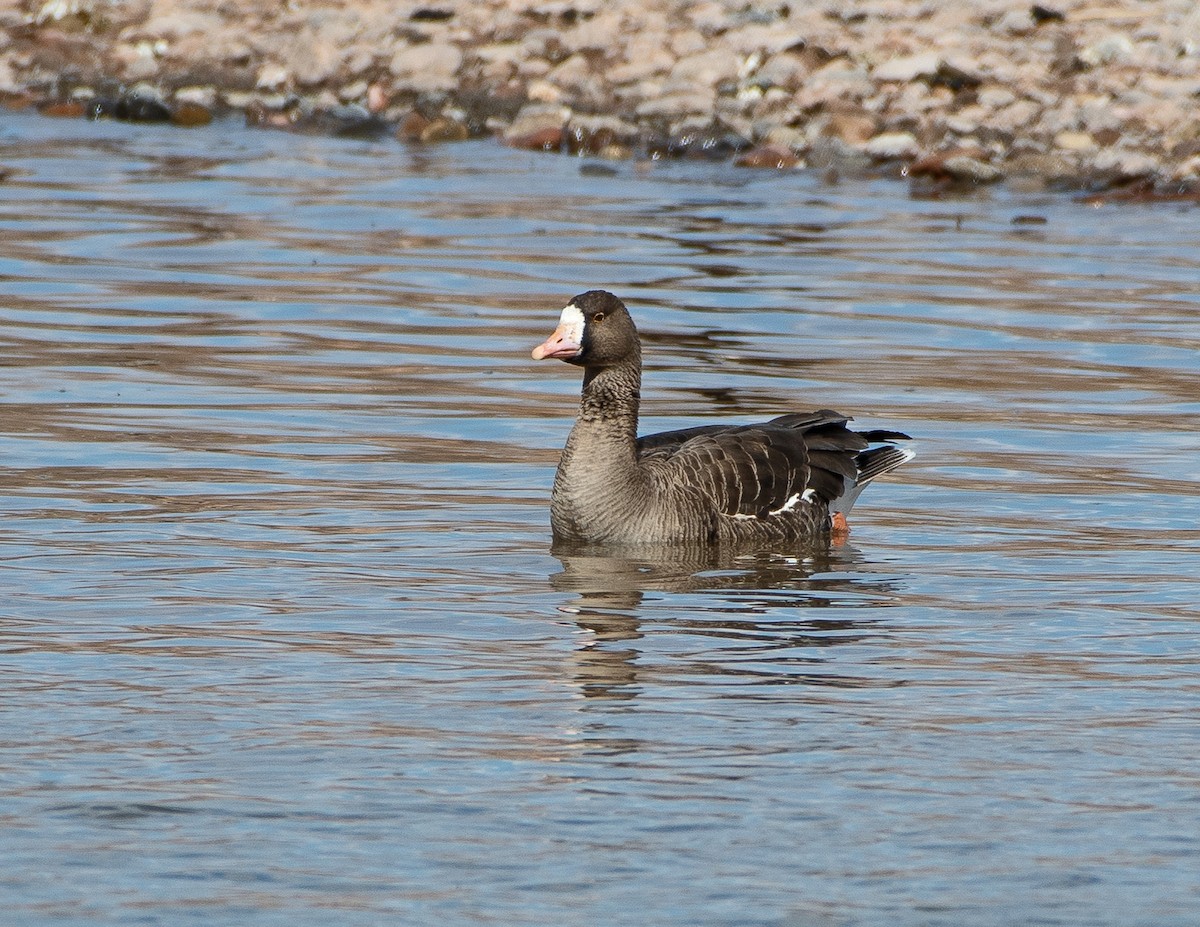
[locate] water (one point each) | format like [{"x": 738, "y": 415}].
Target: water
[{"x": 284, "y": 641}]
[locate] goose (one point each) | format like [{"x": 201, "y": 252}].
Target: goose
[{"x": 789, "y": 480}]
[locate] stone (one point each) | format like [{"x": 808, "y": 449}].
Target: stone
[
  {"x": 537, "y": 122},
  {"x": 1016, "y": 22},
  {"x": 676, "y": 105},
  {"x": 768, "y": 156},
  {"x": 1125, "y": 164},
  {"x": 601, "y": 33},
  {"x": 427, "y": 68},
  {"x": 1111, "y": 48},
  {"x": 708, "y": 68},
  {"x": 853, "y": 127},
  {"x": 891, "y": 145},
  {"x": 1074, "y": 141},
  {"x": 907, "y": 68},
  {"x": 994, "y": 97},
  {"x": 1017, "y": 118},
  {"x": 1188, "y": 171},
  {"x": 271, "y": 77},
  {"x": 1047, "y": 165},
  {"x": 202, "y": 96},
  {"x": 190, "y": 114},
  {"x": 784, "y": 70},
  {"x": 973, "y": 170},
  {"x": 444, "y": 129},
  {"x": 839, "y": 81}
]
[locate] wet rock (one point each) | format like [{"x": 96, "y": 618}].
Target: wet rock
[
  {"x": 143, "y": 103},
  {"x": 260, "y": 115},
  {"x": 547, "y": 139},
  {"x": 189, "y": 114},
  {"x": 412, "y": 126},
  {"x": 351, "y": 120},
  {"x": 63, "y": 109},
  {"x": 789, "y": 137},
  {"x": 538, "y": 127},
  {"x": 969, "y": 169},
  {"x": 836, "y": 156},
  {"x": 701, "y": 138},
  {"x": 444, "y": 129},
  {"x": 768, "y": 156},
  {"x": 538, "y": 117},
  {"x": 606, "y": 136},
  {"x": 1040, "y": 168}
]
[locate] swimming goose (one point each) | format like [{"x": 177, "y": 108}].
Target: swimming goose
[{"x": 791, "y": 479}]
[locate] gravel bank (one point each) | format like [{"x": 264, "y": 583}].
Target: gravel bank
[{"x": 1074, "y": 93}]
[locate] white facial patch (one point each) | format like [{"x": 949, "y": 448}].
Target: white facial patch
[{"x": 570, "y": 323}]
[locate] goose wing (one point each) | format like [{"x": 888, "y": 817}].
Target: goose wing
[{"x": 761, "y": 470}]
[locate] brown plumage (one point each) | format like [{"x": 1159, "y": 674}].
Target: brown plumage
[{"x": 780, "y": 480}]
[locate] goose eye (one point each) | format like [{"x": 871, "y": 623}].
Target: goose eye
[{"x": 598, "y": 317}]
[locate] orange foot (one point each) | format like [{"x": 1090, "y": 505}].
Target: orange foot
[{"x": 839, "y": 529}]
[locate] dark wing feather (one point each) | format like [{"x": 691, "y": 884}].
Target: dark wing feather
[
  {"x": 743, "y": 470},
  {"x": 755, "y": 469}
]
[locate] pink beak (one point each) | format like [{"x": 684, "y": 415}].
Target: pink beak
[{"x": 563, "y": 344}]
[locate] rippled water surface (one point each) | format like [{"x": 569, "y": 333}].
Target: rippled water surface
[{"x": 284, "y": 641}]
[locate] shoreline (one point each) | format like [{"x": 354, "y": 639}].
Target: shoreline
[{"x": 1077, "y": 95}]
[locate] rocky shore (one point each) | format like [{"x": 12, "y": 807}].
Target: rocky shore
[{"x": 1082, "y": 94}]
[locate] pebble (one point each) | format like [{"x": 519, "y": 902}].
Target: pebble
[
  {"x": 769, "y": 156},
  {"x": 190, "y": 114},
  {"x": 908, "y": 68},
  {"x": 1093, "y": 91},
  {"x": 538, "y": 126},
  {"x": 1074, "y": 141},
  {"x": 892, "y": 145},
  {"x": 1111, "y": 48},
  {"x": 427, "y": 68},
  {"x": 1125, "y": 165}
]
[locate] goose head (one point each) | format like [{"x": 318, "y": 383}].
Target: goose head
[{"x": 594, "y": 330}]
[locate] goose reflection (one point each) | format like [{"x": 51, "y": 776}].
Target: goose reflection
[{"x": 779, "y": 601}]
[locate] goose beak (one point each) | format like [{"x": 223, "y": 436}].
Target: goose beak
[{"x": 567, "y": 340}]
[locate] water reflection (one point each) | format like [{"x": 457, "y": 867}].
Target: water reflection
[{"x": 776, "y": 603}]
